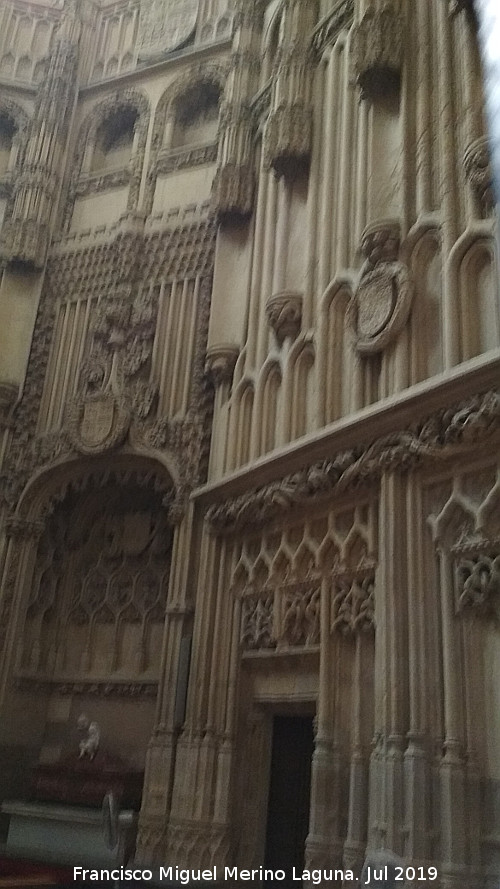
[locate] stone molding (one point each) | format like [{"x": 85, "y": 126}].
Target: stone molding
[
  {"x": 135, "y": 690},
  {"x": 439, "y": 437},
  {"x": 284, "y": 314}
]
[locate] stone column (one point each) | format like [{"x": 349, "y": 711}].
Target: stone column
[
  {"x": 22, "y": 541},
  {"x": 25, "y": 235},
  {"x": 386, "y": 820},
  {"x": 172, "y": 688}
]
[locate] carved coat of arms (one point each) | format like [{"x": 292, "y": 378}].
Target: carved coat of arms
[
  {"x": 165, "y": 25},
  {"x": 98, "y": 423}
]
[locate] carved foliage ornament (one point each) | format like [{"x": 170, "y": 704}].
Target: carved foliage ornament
[
  {"x": 478, "y": 585},
  {"x": 438, "y": 437}
]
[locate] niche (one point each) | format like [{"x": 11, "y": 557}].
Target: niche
[
  {"x": 115, "y": 141},
  {"x": 196, "y": 115}
]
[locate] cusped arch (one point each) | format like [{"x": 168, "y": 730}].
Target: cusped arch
[{"x": 50, "y": 485}]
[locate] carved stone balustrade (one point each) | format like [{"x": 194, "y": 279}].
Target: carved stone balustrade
[
  {"x": 284, "y": 314},
  {"x": 378, "y": 49},
  {"x": 221, "y": 361}
]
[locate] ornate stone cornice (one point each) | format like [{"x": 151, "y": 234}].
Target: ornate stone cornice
[{"x": 439, "y": 437}]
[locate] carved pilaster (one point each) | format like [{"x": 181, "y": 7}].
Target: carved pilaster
[
  {"x": 378, "y": 48},
  {"x": 26, "y": 232},
  {"x": 234, "y": 184},
  {"x": 221, "y": 361},
  {"x": 288, "y": 135}
]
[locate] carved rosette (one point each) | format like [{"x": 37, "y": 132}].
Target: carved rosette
[
  {"x": 221, "y": 361},
  {"x": 478, "y": 169},
  {"x": 377, "y": 47},
  {"x": 284, "y": 314},
  {"x": 383, "y": 298}
]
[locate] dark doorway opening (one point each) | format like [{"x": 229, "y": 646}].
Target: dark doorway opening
[{"x": 289, "y": 794}]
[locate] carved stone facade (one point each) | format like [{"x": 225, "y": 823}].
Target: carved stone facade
[{"x": 249, "y": 424}]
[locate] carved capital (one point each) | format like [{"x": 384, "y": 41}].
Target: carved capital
[
  {"x": 378, "y": 49},
  {"x": 479, "y": 172},
  {"x": 284, "y": 314},
  {"x": 221, "y": 361}
]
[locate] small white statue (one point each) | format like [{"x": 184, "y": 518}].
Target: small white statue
[{"x": 90, "y": 744}]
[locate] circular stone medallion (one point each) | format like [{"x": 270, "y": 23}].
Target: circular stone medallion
[
  {"x": 165, "y": 25},
  {"x": 376, "y": 301}
]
